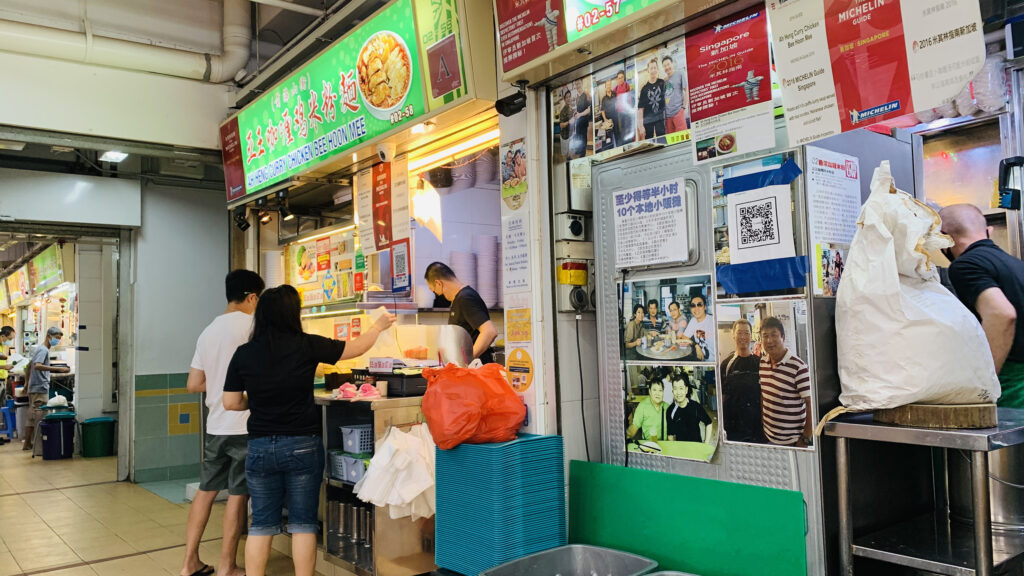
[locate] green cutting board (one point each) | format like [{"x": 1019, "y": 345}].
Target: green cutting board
[{"x": 707, "y": 527}]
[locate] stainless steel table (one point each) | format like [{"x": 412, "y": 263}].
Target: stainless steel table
[{"x": 931, "y": 542}]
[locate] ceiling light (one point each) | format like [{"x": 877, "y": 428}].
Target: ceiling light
[
  {"x": 481, "y": 142},
  {"x": 265, "y": 217},
  {"x": 113, "y": 156},
  {"x": 11, "y": 145},
  {"x": 285, "y": 213},
  {"x": 240, "y": 220}
]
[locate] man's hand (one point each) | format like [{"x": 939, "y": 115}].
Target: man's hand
[
  {"x": 999, "y": 320},
  {"x": 384, "y": 322}
]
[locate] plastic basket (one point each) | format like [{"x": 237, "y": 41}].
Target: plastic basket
[
  {"x": 337, "y": 462},
  {"x": 355, "y": 467},
  {"x": 357, "y": 439}
]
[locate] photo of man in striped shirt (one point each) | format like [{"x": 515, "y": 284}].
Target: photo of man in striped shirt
[{"x": 785, "y": 389}]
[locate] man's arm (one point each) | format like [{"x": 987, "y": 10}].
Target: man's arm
[
  {"x": 487, "y": 335},
  {"x": 196, "y": 381},
  {"x": 999, "y": 320},
  {"x": 54, "y": 369},
  {"x": 808, "y": 428},
  {"x": 236, "y": 401}
]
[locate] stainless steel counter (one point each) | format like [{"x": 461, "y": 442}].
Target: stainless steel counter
[
  {"x": 933, "y": 542},
  {"x": 1010, "y": 432}
]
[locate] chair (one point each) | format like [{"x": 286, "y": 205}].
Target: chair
[{"x": 8, "y": 426}]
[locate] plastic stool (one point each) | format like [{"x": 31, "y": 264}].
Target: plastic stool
[{"x": 8, "y": 427}]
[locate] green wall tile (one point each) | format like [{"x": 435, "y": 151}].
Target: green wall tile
[
  {"x": 183, "y": 398},
  {"x": 177, "y": 380},
  {"x": 151, "y": 421},
  {"x": 150, "y": 453},
  {"x": 161, "y": 400},
  {"x": 184, "y": 471},
  {"x": 151, "y": 382},
  {"x": 183, "y": 449},
  {"x": 151, "y": 475}
]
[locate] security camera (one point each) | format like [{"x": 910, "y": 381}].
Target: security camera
[
  {"x": 386, "y": 152},
  {"x": 512, "y": 105}
]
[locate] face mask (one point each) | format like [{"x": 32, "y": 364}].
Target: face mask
[
  {"x": 54, "y": 341},
  {"x": 948, "y": 253}
]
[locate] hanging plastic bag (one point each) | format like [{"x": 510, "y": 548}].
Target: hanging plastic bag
[
  {"x": 471, "y": 405},
  {"x": 401, "y": 474},
  {"x": 903, "y": 338}
]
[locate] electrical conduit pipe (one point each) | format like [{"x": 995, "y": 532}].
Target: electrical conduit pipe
[{"x": 22, "y": 38}]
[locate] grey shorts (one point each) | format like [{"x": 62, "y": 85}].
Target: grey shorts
[{"x": 224, "y": 464}]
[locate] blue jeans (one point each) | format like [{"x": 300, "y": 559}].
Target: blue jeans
[{"x": 284, "y": 470}]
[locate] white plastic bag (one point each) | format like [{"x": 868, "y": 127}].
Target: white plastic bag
[
  {"x": 58, "y": 400},
  {"x": 902, "y": 337},
  {"x": 401, "y": 474}
]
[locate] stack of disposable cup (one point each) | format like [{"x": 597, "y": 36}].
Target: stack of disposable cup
[
  {"x": 486, "y": 249},
  {"x": 464, "y": 266},
  {"x": 501, "y": 277}
]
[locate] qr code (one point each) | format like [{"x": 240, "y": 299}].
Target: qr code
[
  {"x": 758, "y": 223},
  {"x": 401, "y": 264}
]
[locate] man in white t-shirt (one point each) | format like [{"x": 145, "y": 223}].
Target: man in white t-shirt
[
  {"x": 700, "y": 328},
  {"x": 226, "y": 442}
]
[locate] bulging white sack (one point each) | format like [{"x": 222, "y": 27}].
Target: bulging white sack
[{"x": 902, "y": 337}]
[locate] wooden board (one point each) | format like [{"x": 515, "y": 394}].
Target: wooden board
[
  {"x": 969, "y": 416},
  {"x": 692, "y": 525}
]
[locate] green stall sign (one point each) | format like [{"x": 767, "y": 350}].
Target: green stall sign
[
  {"x": 583, "y": 17},
  {"x": 363, "y": 86},
  {"x": 47, "y": 267}
]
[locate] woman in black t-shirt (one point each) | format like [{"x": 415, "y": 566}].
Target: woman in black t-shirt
[{"x": 272, "y": 377}]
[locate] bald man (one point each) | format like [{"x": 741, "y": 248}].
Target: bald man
[{"x": 990, "y": 283}]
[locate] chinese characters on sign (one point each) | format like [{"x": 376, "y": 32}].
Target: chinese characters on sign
[
  {"x": 651, "y": 225},
  {"x": 528, "y": 29},
  {"x": 833, "y": 198},
  {"x": 516, "y": 252}
]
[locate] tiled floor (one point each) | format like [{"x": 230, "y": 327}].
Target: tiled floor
[{"x": 71, "y": 518}]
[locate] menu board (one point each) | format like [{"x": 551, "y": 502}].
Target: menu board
[
  {"x": 528, "y": 29},
  {"x": 363, "y": 86},
  {"x": 382, "y": 204},
  {"x": 847, "y": 64},
  {"x": 47, "y": 269},
  {"x": 322, "y": 269},
  {"x": 651, "y": 225}
]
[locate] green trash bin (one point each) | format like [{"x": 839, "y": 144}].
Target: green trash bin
[{"x": 98, "y": 437}]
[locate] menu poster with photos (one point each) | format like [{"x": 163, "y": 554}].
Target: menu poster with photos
[
  {"x": 754, "y": 338},
  {"x": 382, "y": 204},
  {"x": 761, "y": 224},
  {"x": 847, "y": 64},
  {"x": 318, "y": 284},
  {"x": 651, "y": 224},
  {"x": 834, "y": 202},
  {"x": 729, "y": 68},
  {"x": 513, "y": 168},
  {"x": 528, "y": 29}
]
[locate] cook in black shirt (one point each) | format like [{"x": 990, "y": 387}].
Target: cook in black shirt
[
  {"x": 990, "y": 283},
  {"x": 468, "y": 309},
  {"x": 685, "y": 416},
  {"x": 741, "y": 389},
  {"x": 272, "y": 376}
]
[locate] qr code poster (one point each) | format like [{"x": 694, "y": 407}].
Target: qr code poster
[{"x": 761, "y": 225}]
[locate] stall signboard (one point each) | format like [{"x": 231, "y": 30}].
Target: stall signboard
[
  {"x": 363, "y": 86},
  {"x": 583, "y": 17},
  {"x": 440, "y": 44},
  {"x": 651, "y": 225},
  {"x": 848, "y": 64},
  {"x": 728, "y": 66},
  {"x": 528, "y": 29},
  {"x": 47, "y": 269},
  {"x": 18, "y": 288}
]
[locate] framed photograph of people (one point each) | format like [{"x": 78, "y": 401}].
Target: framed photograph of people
[
  {"x": 766, "y": 392},
  {"x": 668, "y": 320},
  {"x": 671, "y": 411}
]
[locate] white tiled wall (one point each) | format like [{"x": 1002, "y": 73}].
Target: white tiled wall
[{"x": 465, "y": 213}]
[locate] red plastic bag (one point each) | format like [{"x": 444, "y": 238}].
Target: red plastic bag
[{"x": 471, "y": 406}]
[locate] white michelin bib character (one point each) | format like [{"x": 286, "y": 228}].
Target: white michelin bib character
[
  {"x": 751, "y": 86},
  {"x": 550, "y": 25}
]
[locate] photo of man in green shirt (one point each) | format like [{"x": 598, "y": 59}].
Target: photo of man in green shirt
[{"x": 649, "y": 416}]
